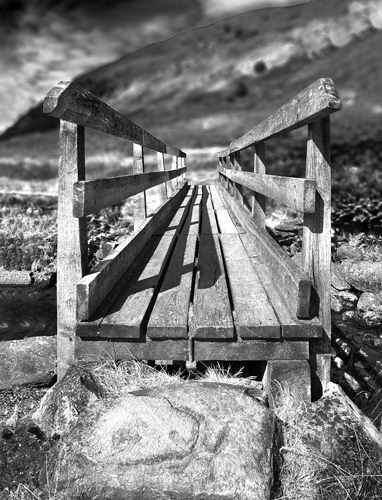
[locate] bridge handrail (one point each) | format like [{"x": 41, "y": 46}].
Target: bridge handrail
[
  {"x": 72, "y": 103},
  {"x": 316, "y": 101}
]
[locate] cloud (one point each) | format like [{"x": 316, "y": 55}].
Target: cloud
[{"x": 217, "y": 8}]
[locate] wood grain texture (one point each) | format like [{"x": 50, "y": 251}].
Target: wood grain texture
[
  {"x": 163, "y": 188},
  {"x": 250, "y": 350},
  {"x": 254, "y": 314},
  {"x": 216, "y": 199},
  {"x": 169, "y": 317},
  {"x": 298, "y": 194},
  {"x": 258, "y": 200},
  {"x": 71, "y": 241},
  {"x": 211, "y": 312},
  {"x": 209, "y": 225},
  {"x": 129, "y": 315},
  {"x": 140, "y": 212},
  {"x": 94, "y": 287},
  {"x": 316, "y": 101},
  {"x": 317, "y": 232},
  {"x": 288, "y": 276},
  {"x": 92, "y": 196},
  {"x": 192, "y": 223},
  {"x": 69, "y": 101}
]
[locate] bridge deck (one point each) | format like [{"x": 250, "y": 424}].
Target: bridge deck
[{"x": 198, "y": 281}]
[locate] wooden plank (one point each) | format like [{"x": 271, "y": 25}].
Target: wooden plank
[
  {"x": 291, "y": 191},
  {"x": 216, "y": 199},
  {"x": 225, "y": 223},
  {"x": 258, "y": 200},
  {"x": 129, "y": 315},
  {"x": 209, "y": 225},
  {"x": 94, "y": 287},
  {"x": 91, "y": 327},
  {"x": 92, "y": 196},
  {"x": 71, "y": 241},
  {"x": 134, "y": 350},
  {"x": 169, "y": 318},
  {"x": 287, "y": 274},
  {"x": 69, "y": 101},
  {"x": 254, "y": 315},
  {"x": 192, "y": 224},
  {"x": 163, "y": 189},
  {"x": 212, "y": 316},
  {"x": 291, "y": 327},
  {"x": 316, "y": 101},
  {"x": 140, "y": 213},
  {"x": 317, "y": 235},
  {"x": 250, "y": 350}
]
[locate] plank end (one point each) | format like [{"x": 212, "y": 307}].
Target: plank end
[{"x": 53, "y": 103}]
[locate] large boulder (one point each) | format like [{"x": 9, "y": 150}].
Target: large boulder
[
  {"x": 194, "y": 440},
  {"x": 365, "y": 275}
]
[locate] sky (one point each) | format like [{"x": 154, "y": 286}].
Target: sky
[{"x": 45, "y": 41}]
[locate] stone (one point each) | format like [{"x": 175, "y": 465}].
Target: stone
[
  {"x": 369, "y": 302},
  {"x": 66, "y": 400},
  {"x": 195, "y": 440},
  {"x": 30, "y": 361},
  {"x": 341, "y": 441},
  {"x": 342, "y": 300},
  {"x": 351, "y": 252},
  {"x": 337, "y": 281},
  {"x": 365, "y": 276},
  {"x": 287, "y": 228}
]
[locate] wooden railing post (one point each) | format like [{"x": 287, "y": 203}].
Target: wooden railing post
[
  {"x": 175, "y": 165},
  {"x": 258, "y": 200},
  {"x": 236, "y": 165},
  {"x": 317, "y": 238},
  {"x": 72, "y": 242},
  {"x": 161, "y": 168},
  {"x": 140, "y": 199}
]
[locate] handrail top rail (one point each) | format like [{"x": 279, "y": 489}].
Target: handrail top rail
[
  {"x": 69, "y": 101},
  {"x": 318, "y": 100}
]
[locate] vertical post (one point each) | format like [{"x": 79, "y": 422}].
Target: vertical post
[
  {"x": 231, "y": 184},
  {"x": 71, "y": 242},
  {"x": 258, "y": 200},
  {"x": 316, "y": 253},
  {"x": 175, "y": 166},
  {"x": 238, "y": 188},
  {"x": 162, "y": 187},
  {"x": 140, "y": 199}
]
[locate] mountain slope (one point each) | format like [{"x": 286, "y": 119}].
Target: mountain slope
[{"x": 243, "y": 67}]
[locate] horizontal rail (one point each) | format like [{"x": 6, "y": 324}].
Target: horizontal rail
[
  {"x": 69, "y": 101},
  {"x": 93, "y": 288},
  {"x": 92, "y": 196},
  {"x": 316, "y": 101},
  {"x": 299, "y": 194}
]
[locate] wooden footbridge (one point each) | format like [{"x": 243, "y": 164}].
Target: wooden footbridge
[{"x": 200, "y": 278}]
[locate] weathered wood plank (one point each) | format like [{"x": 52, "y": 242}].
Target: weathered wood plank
[
  {"x": 291, "y": 327},
  {"x": 192, "y": 224},
  {"x": 291, "y": 191},
  {"x": 316, "y": 101},
  {"x": 216, "y": 199},
  {"x": 94, "y": 287},
  {"x": 71, "y": 241},
  {"x": 225, "y": 223},
  {"x": 254, "y": 315},
  {"x": 317, "y": 235},
  {"x": 129, "y": 315},
  {"x": 92, "y": 196},
  {"x": 163, "y": 188},
  {"x": 258, "y": 200},
  {"x": 118, "y": 351},
  {"x": 287, "y": 274},
  {"x": 140, "y": 213},
  {"x": 250, "y": 350},
  {"x": 180, "y": 216},
  {"x": 169, "y": 317},
  {"x": 211, "y": 312},
  {"x": 209, "y": 225},
  {"x": 69, "y": 101}
]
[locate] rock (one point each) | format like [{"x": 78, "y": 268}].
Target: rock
[
  {"x": 365, "y": 276},
  {"x": 369, "y": 302},
  {"x": 351, "y": 252},
  {"x": 342, "y": 301},
  {"x": 342, "y": 441},
  {"x": 65, "y": 401},
  {"x": 372, "y": 319},
  {"x": 195, "y": 440},
  {"x": 287, "y": 228},
  {"x": 27, "y": 361},
  {"x": 337, "y": 281}
]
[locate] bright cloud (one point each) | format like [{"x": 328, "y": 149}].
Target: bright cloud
[{"x": 216, "y": 8}]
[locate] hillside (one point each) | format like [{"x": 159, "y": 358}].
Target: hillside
[{"x": 223, "y": 78}]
